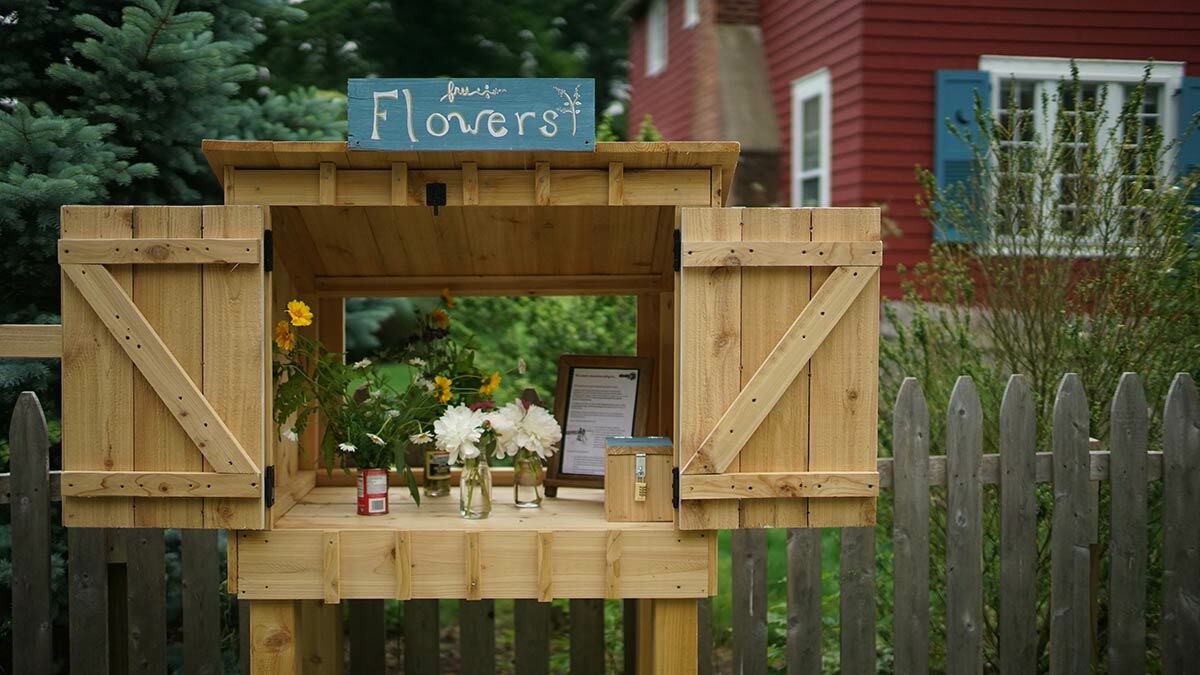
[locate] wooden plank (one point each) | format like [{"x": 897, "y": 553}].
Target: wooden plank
[
  {"x": 1018, "y": 529},
  {"x": 321, "y": 649},
  {"x": 844, "y": 378},
  {"x": 704, "y": 637},
  {"x": 470, "y": 184},
  {"x": 159, "y": 484},
  {"x": 403, "y": 558},
  {"x": 489, "y": 285},
  {"x": 749, "y": 604},
  {"x": 856, "y": 601},
  {"x": 88, "y": 600},
  {"x": 244, "y": 648},
  {"x": 368, "y": 639},
  {"x": 328, "y": 185},
  {"x": 532, "y": 643},
  {"x": 31, "y": 597},
  {"x": 155, "y": 361},
  {"x": 237, "y": 356},
  {"x": 767, "y": 485},
  {"x": 612, "y": 564},
  {"x": 32, "y": 341},
  {"x": 273, "y": 638},
  {"x": 545, "y": 566},
  {"x": 1180, "y": 627},
  {"x": 673, "y": 637},
  {"x": 742, "y": 418},
  {"x": 1070, "y": 560},
  {"x": 716, "y": 187},
  {"x": 399, "y": 184},
  {"x": 97, "y": 377},
  {"x": 331, "y": 568},
  {"x": 645, "y": 636},
  {"x": 964, "y": 531},
  {"x": 541, "y": 184},
  {"x": 477, "y": 636},
  {"x": 474, "y": 566},
  {"x": 146, "y": 600},
  {"x": 803, "y": 601},
  {"x": 709, "y": 353},
  {"x": 771, "y": 299},
  {"x": 201, "y": 602},
  {"x": 629, "y": 630},
  {"x": 420, "y": 638},
  {"x": 1128, "y": 543},
  {"x": 148, "y": 251},
  {"x": 587, "y": 636},
  {"x": 990, "y": 471},
  {"x": 910, "y": 532},
  {"x": 616, "y": 184},
  {"x": 782, "y": 253}
]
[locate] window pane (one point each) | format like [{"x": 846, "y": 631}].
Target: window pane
[
  {"x": 810, "y": 192},
  {"x": 810, "y": 142}
]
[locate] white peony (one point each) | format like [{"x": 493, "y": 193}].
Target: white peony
[
  {"x": 421, "y": 438},
  {"x": 519, "y": 428},
  {"x": 290, "y": 434},
  {"x": 458, "y": 431},
  {"x": 504, "y": 422}
]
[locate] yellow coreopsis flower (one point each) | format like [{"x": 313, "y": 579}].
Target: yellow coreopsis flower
[
  {"x": 299, "y": 313},
  {"x": 440, "y": 318},
  {"x": 447, "y": 298},
  {"x": 284, "y": 337},
  {"x": 490, "y": 384},
  {"x": 443, "y": 389}
]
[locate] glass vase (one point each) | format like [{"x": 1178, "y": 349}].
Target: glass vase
[
  {"x": 475, "y": 489},
  {"x": 527, "y": 480}
]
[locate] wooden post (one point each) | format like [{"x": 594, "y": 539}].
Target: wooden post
[
  {"x": 273, "y": 643},
  {"x": 964, "y": 530},
  {"x": 1070, "y": 623},
  {"x": 201, "y": 603},
  {"x": 673, "y": 636},
  {"x": 31, "y": 601},
  {"x": 320, "y": 642},
  {"x": 749, "y": 554},
  {"x": 1018, "y": 529},
  {"x": 910, "y": 531}
]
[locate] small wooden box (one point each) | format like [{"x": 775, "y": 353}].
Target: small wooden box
[{"x": 637, "y": 479}]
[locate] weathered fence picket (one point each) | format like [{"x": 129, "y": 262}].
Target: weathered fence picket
[
  {"x": 116, "y": 581},
  {"x": 1018, "y": 529},
  {"x": 910, "y": 532}
]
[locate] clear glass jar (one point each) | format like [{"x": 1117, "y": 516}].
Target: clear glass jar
[
  {"x": 475, "y": 489},
  {"x": 527, "y": 480}
]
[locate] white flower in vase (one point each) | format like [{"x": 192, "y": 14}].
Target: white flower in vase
[
  {"x": 458, "y": 431},
  {"x": 504, "y": 423},
  {"x": 539, "y": 431}
]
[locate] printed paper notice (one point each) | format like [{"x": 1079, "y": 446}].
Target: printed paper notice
[{"x": 601, "y": 403}]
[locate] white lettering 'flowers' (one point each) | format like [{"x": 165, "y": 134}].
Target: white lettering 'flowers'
[
  {"x": 421, "y": 438},
  {"x": 532, "y": 429},
  {"x": 458, "y": 431},
  {"x": 375, "y": 439},
  {"x": 290, "y": 434},
  {"x": 347, "y": 447},
  {"x": 359, "y": 365}
]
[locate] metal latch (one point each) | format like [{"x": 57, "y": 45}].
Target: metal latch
[
  {"x": 269, "y": 486},
  {"x": 675, "y": 487},
  {"x": 435, "y": 195},
  {"x": 639, "y": 476}
]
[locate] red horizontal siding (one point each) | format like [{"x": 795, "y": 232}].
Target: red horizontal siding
[{"x": 666, "y": 96}]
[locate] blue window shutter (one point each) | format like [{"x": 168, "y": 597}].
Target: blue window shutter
[
  {"x": 1188, "y": 159},
  {"x": 953, "y": 160}
]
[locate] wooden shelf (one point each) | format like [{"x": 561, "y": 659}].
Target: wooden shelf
[{"x": 320, "y": 549}]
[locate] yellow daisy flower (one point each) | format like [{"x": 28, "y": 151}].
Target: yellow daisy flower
[
  {"x": 299, "y": 313},
  {"x": 490, "y": 384},
  {"x": 284, "y": 336},
  {"x": 443, "y": 389},
  {"x": 447, "y": 298},
  {"x": 440, "y": 318}
]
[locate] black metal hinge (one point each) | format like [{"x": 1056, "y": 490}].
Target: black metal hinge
[
  {"x": 435, "y": 195},
  {"x": 269, "y": 486},
  {"x": 678, "y": 251},
  {"x": 675, "y": 487},
  {"x": 268, "y": 252}
]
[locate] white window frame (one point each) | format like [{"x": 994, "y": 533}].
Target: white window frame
[
  {"x": 691, "y": 13},
  {"x": 1110, "y": 74},
  {"x": 816, "y": 83},
  {"x": 657, "y": 18}
]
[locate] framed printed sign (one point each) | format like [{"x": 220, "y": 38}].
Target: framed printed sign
[
  {"x": 596, "y": 397},
  {"x": 472, "y": 114}
]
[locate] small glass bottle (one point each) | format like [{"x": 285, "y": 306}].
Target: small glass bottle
[
  {"x": 475, "y": 489},
  {"x": 527, "y": 480},
  {"x": 437, "y": 473}
]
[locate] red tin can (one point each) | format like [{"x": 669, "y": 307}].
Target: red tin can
[{"x": 372, "y": 492}]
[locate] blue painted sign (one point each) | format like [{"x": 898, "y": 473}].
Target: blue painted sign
[{"x": 472, "y": 114}]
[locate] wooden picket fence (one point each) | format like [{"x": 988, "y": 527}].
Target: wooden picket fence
[{"x": 116, "y": 584}]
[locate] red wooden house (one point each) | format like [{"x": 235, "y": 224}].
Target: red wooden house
[{"x": 836, "y": 101}]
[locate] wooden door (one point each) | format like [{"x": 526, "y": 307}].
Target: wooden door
[
  {"x": 778, "y": 367},
  {"x": 165, "y": 366}
]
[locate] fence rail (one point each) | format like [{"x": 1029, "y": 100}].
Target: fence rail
[{"x": 116, "y": 578}]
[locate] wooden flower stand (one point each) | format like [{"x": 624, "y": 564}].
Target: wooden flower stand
[{"x": 762, "y": 323}]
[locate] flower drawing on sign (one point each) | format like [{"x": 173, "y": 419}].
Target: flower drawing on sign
[
  {"x": 486, "y": 92},
  {"x": 571, "y": 105}
]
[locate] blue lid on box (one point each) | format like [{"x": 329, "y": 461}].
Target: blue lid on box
[{"x": 637, "y": 441}]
